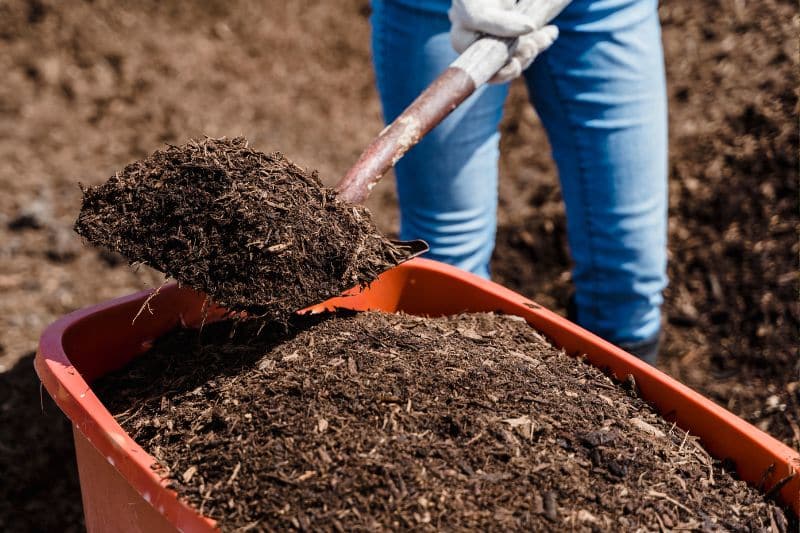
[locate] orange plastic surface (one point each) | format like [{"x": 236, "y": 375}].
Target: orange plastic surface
[
  {"x": 91, "y": 342},
  {"x": 113, "y": 503}
]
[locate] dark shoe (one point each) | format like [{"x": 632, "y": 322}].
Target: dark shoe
[
  {"x": 646, "y": 350},
  {"x": 572, "y": 309}
]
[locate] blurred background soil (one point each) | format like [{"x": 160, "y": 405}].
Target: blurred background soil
[{"x": 90, "y": 86}]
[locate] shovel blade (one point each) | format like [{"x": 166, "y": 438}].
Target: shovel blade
[{"x": 412, "y": 249}]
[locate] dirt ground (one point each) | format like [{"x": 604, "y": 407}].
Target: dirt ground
[{"x": 89, "y": 87}]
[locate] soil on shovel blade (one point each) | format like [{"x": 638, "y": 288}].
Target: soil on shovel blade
[
  {"x": 252, "y": 230},
  {"x": 375, "y": 421}
]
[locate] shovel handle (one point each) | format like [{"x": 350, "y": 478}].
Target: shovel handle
[{"x": 470, "y": 70}]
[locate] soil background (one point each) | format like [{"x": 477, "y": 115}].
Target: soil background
[{"x": 89, "y": 87}]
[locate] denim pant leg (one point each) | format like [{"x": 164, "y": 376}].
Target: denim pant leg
[
  {"x": 447, "y": 184},
  {"x": 600, "y": 92}
]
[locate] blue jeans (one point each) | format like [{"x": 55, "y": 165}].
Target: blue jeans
[{"x": 600, "y": 93}]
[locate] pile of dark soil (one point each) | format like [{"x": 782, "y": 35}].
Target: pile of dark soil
[
  {"x": 252, "y": 230},
  {"x": 39, "y": 490},
  {"x": 374, "y": 421}
]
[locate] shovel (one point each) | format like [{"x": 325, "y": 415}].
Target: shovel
[{"x": 470, "y": 71}]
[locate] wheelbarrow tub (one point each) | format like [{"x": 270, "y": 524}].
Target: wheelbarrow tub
[{"x": 123, "y": 490}]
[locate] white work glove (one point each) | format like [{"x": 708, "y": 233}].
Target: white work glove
[{"x": 472, "y": 19}]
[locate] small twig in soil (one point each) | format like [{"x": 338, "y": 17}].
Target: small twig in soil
[
  {"x": 146, "y": 303},
  {"x": 683, "y": 442},
  {"x": 776, "y": 488},
  {"x": 663, "y": 496}
]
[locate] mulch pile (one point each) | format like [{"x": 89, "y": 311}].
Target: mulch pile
[
  {"x": 252, "y": 230},
  {"x": 373, "y": 421}
]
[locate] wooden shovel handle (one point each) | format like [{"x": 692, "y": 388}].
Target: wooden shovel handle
[{"x": 470, "y": 70}]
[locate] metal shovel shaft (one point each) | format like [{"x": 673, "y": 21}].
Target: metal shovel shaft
[{"x": 471, "y": 70}]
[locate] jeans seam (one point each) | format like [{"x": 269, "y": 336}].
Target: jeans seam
[
  {"x": 586, "y": 207},
  {"x": 378, "y": 45}
]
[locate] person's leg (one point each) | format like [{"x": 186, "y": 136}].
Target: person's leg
[
  {"x": 447, "y": 184},
  {"x": 600, "y": 92}
]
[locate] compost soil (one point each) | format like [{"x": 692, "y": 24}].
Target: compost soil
[
  {"x": 375, "y": 421},
  {"x": 253, "y": 231}
]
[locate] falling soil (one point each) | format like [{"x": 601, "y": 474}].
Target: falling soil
[
  {"x": 376, "y": 421},
  {"x": 252, "y": 230}
]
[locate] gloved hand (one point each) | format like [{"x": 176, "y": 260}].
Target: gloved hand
[{"x": 471, "y": 19}]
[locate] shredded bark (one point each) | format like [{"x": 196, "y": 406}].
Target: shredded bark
[
  {"x": 376, "y": 421},
  {"x": 252, "y": 230}
]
